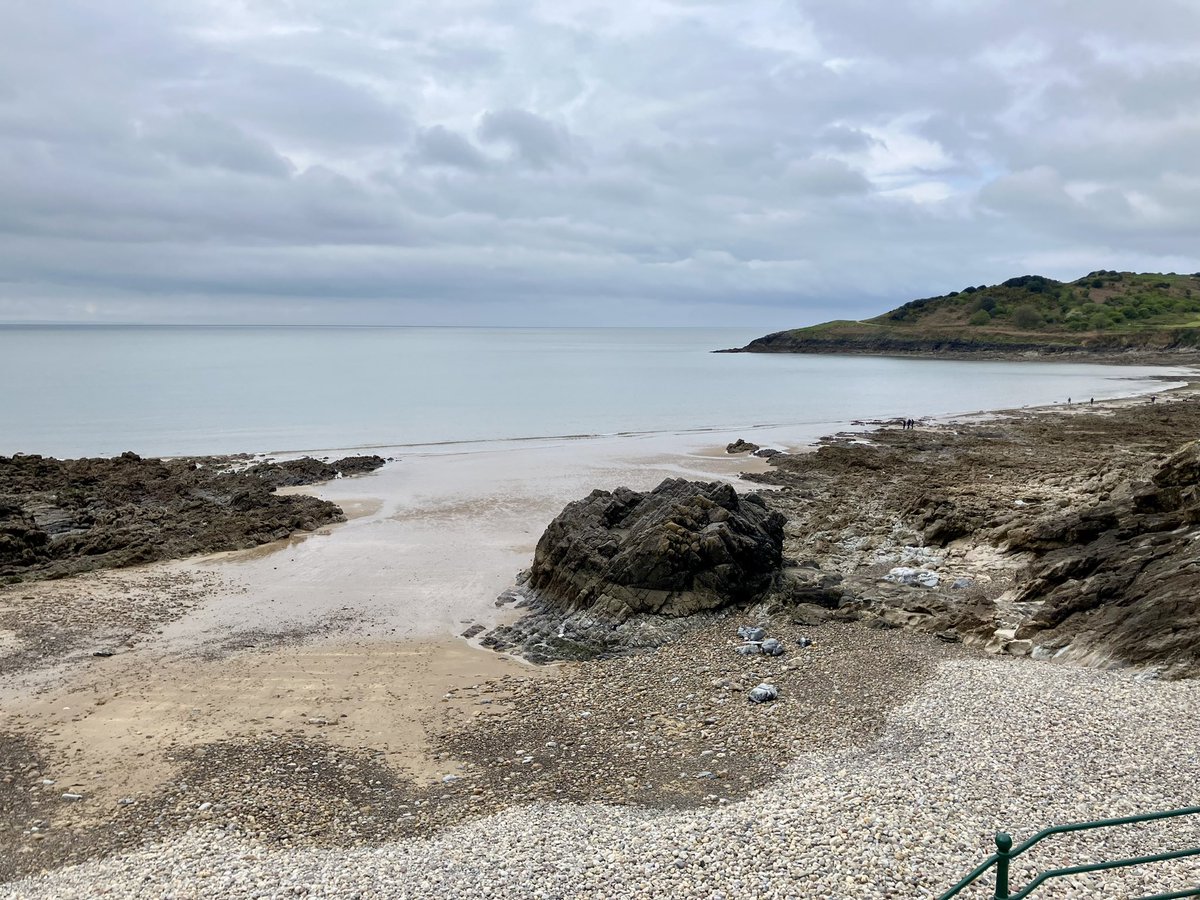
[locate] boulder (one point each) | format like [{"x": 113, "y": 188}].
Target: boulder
[
  {"x": 682, "y": 548},
  {"x": 740, "y": 446}
]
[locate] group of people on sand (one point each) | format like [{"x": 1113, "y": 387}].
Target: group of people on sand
[{"x": 909, "y": 424}]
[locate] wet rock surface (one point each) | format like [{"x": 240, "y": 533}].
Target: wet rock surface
[
  {"x": 60, "y": 517},
  {"x": 1065, "y": 536},
  {"x": 297, "y": 472}
]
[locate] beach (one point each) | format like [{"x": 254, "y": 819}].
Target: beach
[{"x": 300, "y": 719}]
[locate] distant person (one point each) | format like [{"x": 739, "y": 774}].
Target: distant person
[{"x": 1092, "y": 400}]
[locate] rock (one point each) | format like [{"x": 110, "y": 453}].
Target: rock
[
  {"x": 772, "y": 647},
  {"x": 1119, "y": 581},
  {"x": 795, "y": 586},
  {"x": 72, "y": 797},
  {"x": 508, "y": 596},
  {"x": 751, "y": 633},
  {"x": 914, "y": 577},
  {"x": 809, "y": 615},
  {"x": 748, "y": 649},
  {"x": 102, "y": 653},
  {"x": 473, "y": 631},
  {"x": 358, "y": 465},
  {"x": 803, "y": 642},
  {"x": 60, "y": 517},
  {"x": 740, "y": 446},
  {"x": 683, "y": 547},
  {"x": 767, "y": 452},
  {"x": 764, "y": 693}
]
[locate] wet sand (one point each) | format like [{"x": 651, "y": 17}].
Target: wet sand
[{"x": 347, "y": 635}]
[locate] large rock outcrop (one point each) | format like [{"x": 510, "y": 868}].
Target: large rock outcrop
[
  {"x": 622, "y": 569},
  {"x": 1121, "y": 582},
  {"x": 679, "y": 549}
]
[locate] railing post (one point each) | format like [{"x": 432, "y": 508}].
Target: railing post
[{"x": 1003, "y": 845}]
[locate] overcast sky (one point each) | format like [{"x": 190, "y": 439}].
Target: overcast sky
[{"x": 766, "y": 164}]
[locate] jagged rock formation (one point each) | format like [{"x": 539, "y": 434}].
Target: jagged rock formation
[
  {"x": 684, "y": 547},
  {"x": 1121, "y": 581},
  {"x": 622, "y": 569}
]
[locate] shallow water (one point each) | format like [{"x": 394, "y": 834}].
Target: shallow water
[{"x": 169, "y": 391}]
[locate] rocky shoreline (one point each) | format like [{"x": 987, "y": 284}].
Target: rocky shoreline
[
  {"x": 902, "y": 559},
  {"x": 1064, "y": 535},
  {"x": 62, "y": 517}
]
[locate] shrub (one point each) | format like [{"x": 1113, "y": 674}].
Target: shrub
[
  {"x": 1026, "y": 316},
  {"x": 980, "y": 317}
]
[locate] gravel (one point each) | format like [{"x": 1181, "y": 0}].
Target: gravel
[{"x": 988, "y": 743}]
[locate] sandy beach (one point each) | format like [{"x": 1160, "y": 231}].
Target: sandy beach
[{"x": 308, "y": 703}]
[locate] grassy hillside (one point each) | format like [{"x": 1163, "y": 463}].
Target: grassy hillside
[{"x": 1103, "y": 311}]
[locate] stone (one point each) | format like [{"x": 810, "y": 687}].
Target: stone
[
  {"x": 741, "y": 446},
  {"x": 913, "y": 577},
  {"x": 751, "y": 633},
  {"x": 764, "y": 693},
  {"x": 748, "y": 649},
  {"x": 767, "y": 452},
  {"x": 772, "y": 647}
]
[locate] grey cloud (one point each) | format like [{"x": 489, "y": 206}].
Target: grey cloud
[
  {"x": 439, "y": 146},
  {"x": 584, "y": 161},
  {"x": 199, "y": 139},
  {"x": 537, "y": 141}
]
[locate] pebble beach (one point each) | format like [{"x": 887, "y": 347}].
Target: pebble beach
[{"x": 987, "y": 744}]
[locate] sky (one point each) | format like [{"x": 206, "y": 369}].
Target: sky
[{"x": 583, "y": 162}]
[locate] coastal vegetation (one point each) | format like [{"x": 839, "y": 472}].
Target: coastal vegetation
[{"x": 1103, "y": 311}]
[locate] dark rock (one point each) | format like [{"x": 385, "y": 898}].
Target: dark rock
[
  {"x": 473, "y": 631},
  {"x": 751, "y": 633},
  {"x": 58, "y": 517},
  {"x": 1129, "y": 589},
  {"x": 682, "y": 548},
  {"x": 767, "y": 452},
  {"x": 621, "y": 571},
  {"x": 358, "y": 465},
  {"x": 772, "y": 647},
  {"x": 740, "y": 446}
]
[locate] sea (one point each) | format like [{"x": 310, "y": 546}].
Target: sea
[{"x": 169, "y": 391}]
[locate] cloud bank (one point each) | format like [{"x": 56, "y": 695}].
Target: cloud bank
[{"x": 579, "y": 162}]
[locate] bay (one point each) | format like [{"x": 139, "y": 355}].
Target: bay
[{"x": 88, "y": 390}]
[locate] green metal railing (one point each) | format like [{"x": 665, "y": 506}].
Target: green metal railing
[{"x": 1005, "y": 853}]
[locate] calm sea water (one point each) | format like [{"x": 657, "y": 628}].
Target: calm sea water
[{"x": 160, "y": 390}]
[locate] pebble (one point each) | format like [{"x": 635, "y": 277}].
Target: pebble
[{"x": 902, "y": 816}]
